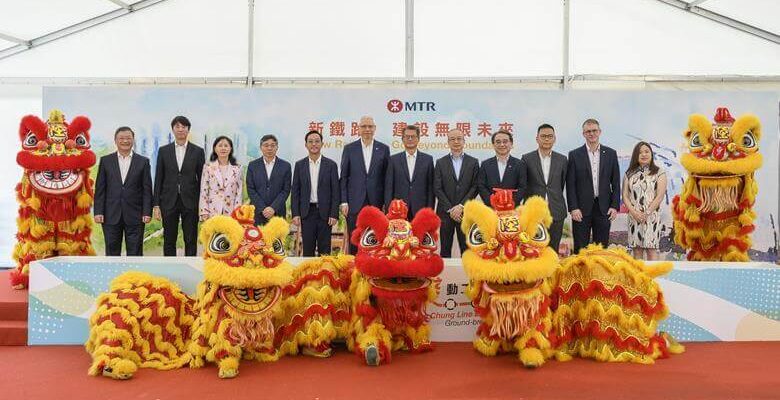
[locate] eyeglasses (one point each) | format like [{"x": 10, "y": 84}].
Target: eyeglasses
[
  {"x": 455, "y": 139},
  {"x": 405, "y": 137},
  {"x": 589, "y": 131},
  {"x": 547, "y": 137},
  {"x": 502, "y": 142}
]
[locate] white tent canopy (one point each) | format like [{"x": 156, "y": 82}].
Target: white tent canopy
[{"x": 232, "y": 41}]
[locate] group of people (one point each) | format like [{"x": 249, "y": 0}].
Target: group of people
[{"x": 585, "y": 185}]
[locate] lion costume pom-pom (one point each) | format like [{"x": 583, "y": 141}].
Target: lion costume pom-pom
[{"x": 55, "y": 194}]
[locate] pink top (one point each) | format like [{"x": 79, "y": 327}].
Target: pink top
[{"x": 220, "y": 193}]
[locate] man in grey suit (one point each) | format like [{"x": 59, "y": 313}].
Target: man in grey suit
[
  {"x": 545, "y": 175},
  {"x": 454, "y": 183}
]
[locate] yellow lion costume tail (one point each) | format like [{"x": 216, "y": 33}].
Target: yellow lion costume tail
[
  {"x": 143, "y": 321},
  {"x": 608, "y": 306}
]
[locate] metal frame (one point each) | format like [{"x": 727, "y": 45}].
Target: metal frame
[
  {"x": 75, "y": 28},
  {"x": 722, "y": 19},
  {"x": 563, "y": 80}
]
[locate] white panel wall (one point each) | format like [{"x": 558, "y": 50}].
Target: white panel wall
[
  {"x": 488, "y": 38},
  {"x": 764, "y": 14},
  {"x": 177, "y": 38}
]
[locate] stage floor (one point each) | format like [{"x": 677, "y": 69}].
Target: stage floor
[{"x": 723, "y": 370}]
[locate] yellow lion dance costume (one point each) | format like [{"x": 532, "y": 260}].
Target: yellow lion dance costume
[
  {"x": 601, "y": 304},
  {"x": 251, "y": 304},
  {"x": 713, "y": 215},
  {"x": 55, "y": 194}
]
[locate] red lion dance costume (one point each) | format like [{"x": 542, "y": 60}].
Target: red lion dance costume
[{"x": 55, "y": 194}]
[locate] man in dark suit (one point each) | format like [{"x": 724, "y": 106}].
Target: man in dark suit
[
  {"x": 545, "y": 175},
  {"x": 454, "y": 183},
  {"x": 315, "y": 197},
  {"x": 123, "y": 196},
  {"x": 502, "y": 171},
  {"x": 177, "y": 188},
  {"x": 268, "y": 182},
  {"x": 410, "y": 175},
  {"x": 592, "y": 188},
  {"x": 363, "y": 166}
]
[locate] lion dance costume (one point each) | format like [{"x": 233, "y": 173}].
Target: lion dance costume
[
  {"x": 55, "y": 194},
  {"x": 600, "y": 304},
  {"x": 713, "y": 215},
  {"x": 252, "y": 304}
]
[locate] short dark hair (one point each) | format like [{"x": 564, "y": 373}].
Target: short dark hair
[
  {"x": 123, "y": 129},
  {"x": 266, "y": 138},
  {"x": 179, "y": 119},
  {"x": 311, "y": 132},
  {"x": 544, "y": 126},
  {"x": 214, "y": 156},
  {"x": 493, "y": 136},
  {"x": 414, "y": 128},
  {"x": 591, "y": 121}
]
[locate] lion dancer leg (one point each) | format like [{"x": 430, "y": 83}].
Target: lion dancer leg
[{"x": 372, "y": 341}]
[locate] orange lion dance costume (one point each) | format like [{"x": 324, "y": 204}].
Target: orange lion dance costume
[
  {"x": 713, "y": 215},
  {"x": 55, "y": 194}
]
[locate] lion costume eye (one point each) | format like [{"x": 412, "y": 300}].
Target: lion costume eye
[
  {"x": 369, "y": 238},
  {"x": 81, "y": 141},
  {"x": 748, "y": 141},
  {"x": 695, "y": 141},
  {"x": 219, "y": 244},
  {"x": 475, "y": 236},
  {"x": 428, "y": 241},
  {"x": 278, "y": 247},
  {"x": 31, "y": 140},
  {"x": 541, "y": 233}
]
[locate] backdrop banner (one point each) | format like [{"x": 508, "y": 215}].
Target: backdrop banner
[
  {"x": 626, "y": 117},
  {"x": 707, "y": 301}
]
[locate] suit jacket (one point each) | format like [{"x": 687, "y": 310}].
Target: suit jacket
[
  {"x": 328, "y": 189},
  {"x": 268, "y": 193},
  {"x": 552, "y": 189},
  {"x": 354, "y": 179},
  {"x": 489, "y": 178},
  {"x": 579, "y": 180},
  {"x": 451, "y": 191},
  {"x": 128, "y": 202},
  {"x": 169, "y": 181},
  {"x": 220, "y": 194},
  {"x": 417, "y": 192}
]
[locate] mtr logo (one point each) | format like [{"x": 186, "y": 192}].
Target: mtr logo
[{"x": 396, "y": 106}]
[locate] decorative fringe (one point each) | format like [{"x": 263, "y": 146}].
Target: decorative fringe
[
  {"x": 251, "y": 333},
  {"x": 513, "y": 315},
  {"x": 397, "y": 313}
]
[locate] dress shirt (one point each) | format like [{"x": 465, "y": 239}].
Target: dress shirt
[
  {"x": 411, "y": 159},
  {"x": 181, "y": 150},
  {"x": 546, "y": 161},
  {"x": 314, "y": 174},
  {"x": 367, "y": 150},
  {"x": 269, "y": 167},
  {"x": 501, "y": 167},
  {"x": 124, "y": 164},
  {"x": 457, "y": 162},
  {"x": 595, "y": 158}
]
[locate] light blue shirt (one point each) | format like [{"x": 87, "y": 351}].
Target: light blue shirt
[{"x": 457, "y": 162}]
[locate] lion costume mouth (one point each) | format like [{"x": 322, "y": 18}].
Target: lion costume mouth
[
  {"x": 719, "y": 193},
  {"x": 250, "y": 301},
  {"x": 400, "y": 284},
  {"x": 56, "y": 182},
  {"x": 511, "y": 288}
]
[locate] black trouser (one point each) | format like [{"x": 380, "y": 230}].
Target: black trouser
[
  {"x": 189, "y": 228},
  {"x": 597, "y": 222},
  {"x": 351, "y": 224},
  {"x": 449, "y": 227},
  {"x": 556, "y": 231},
  {"x": 134, "y": 238},
  {"x": 315, "y": 233}
]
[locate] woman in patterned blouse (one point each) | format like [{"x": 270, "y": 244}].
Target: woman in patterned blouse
[{"x": 221, "y": 188}]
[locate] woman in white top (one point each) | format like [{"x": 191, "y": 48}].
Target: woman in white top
[
  {"x": 221, "y": 189},
  {"x": 644, "y": 187}
]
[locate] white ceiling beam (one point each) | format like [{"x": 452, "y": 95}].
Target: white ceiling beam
[
  {"x": 722, "y": 19},
  {"x": 76, "y": 28},
  {"x": 121, "y": 4},
  {"x": 14, "y": 39},
  {"x": 695, "y": 3}
]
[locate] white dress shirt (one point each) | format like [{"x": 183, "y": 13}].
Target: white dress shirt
[
  {"x": 269, "y": 167},
  {"x": 457, "y": 163},
  {"x": 181, "y": 150},
  {"x": 411, "y": 159},
  {"x": 124, "y": 164},
  {"x": 501, "y": 167},
  {"x": 314, "y": 175},
  {"x": 595, "y": 158},
  {"x": 546, "y": 161},
  {"x": 367, "y": 150}
]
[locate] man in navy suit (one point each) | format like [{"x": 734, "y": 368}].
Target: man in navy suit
[
  {"x": 177, "y": 188},
  {"x": 502, "y": 171},
  {"x": 123, "y": 196},
  {"x": 363, "y": 166},
  {"x": 268, "y": 182},
  {"x": 315, "y": 197},
  {"x": 410, "y": 174},
  {"x": 592, "y": 188}
]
